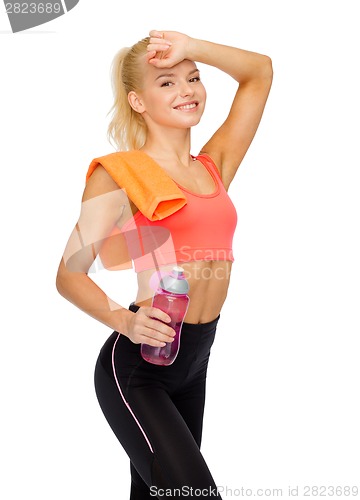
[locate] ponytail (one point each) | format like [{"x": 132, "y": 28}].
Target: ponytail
[{"x": 127, "y": 128}]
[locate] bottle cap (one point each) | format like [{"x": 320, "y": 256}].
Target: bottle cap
[{"x": 175, "y": 282}]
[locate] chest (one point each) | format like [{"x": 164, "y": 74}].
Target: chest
[{"x": 196, "y": 178}]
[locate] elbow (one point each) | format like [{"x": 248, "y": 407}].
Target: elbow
[
  {"x": 59, "y": 286},
  {"x": 60, "y": 281},
  {"x": 266, "y": 70},
  {"x": 265, "y": 74},
  {"x": 68, "y": 277},
  {"x": 261, "y": 72}
]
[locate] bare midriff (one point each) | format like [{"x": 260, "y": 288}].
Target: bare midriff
[{"x": 208, "y": 280}]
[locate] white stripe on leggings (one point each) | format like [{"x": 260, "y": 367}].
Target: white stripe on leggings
[{"x": 123, "y": 398}]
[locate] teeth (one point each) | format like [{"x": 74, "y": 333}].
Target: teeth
[{"x": 187, "y": 106}]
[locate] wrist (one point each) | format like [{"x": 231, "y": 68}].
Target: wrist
[
  {"x": 200, "y": 50},
  {"x": 122, "y": 321},
  {"x": 191, "y": 48}
]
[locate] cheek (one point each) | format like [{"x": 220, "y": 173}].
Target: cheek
[
  {"x": 203, "y": 92},
  {"x": 160, "y": 100}
]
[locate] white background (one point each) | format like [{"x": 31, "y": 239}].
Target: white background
[{"x": 283, "y": 384}]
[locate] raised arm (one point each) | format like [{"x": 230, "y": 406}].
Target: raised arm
[{"x": 252, "y": 71}]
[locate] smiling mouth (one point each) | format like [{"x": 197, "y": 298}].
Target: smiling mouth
[{"x": 185, "y": 107}]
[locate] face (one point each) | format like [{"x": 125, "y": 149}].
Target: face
[{"x": 172, "y": 97}]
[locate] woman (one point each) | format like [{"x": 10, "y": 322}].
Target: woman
[{"x": 156, "y": 412}]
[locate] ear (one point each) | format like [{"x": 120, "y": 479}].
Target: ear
[{"x": 136, "y": 102}]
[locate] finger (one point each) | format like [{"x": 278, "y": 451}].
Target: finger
[
  {"x": 160, "y": 329},
  {"x": 150, "y": 311},
  {"x": 155, "y": 39},
  {"x": 156, "y": 34},
  {"x": 150, "y": 55},
  {"x": 157, "y": 337},
  {"x": 152, "y": 338},
  {"x": 152, "y": 342},
  {"x": 155, "y": 312},
  {"x": 155, "y": 319},
  {"x": 158, "y": 46},
  {"x": 161, "y": 62}
]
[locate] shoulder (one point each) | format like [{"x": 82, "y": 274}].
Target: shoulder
[
  {"x": 214, "y": 162},
  {"x": 210, "y": 161},
  {"x": 101, "y": 186},
  {"x": 99, "y": 183},
  {"x": 220, "y": 165},
  {"x": 105, "y": 175}
]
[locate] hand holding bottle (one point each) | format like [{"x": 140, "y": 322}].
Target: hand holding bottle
[{"x": 149, "y": 325}]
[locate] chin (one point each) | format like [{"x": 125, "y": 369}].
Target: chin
[{"x": 190, "y": 121}]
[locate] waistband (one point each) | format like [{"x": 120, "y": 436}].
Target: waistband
[{"x": 195, "y": 327}]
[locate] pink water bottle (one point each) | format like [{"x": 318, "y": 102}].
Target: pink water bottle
[{"x": 171, "y": 297}]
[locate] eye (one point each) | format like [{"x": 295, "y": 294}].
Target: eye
[
  {"x": 194, "y": 79},
  {"x": 166, "y": 84}
]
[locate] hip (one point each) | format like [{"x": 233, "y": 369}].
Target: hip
[{"x": 121, "y": 356}]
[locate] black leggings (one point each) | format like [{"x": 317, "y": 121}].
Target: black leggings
[{"x": 156, "y": 412}]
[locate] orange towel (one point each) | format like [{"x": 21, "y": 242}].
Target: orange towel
[{"x": 147, "y": 185}]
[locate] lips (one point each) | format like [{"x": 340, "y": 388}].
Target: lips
[{"x": 188, "y": 106}]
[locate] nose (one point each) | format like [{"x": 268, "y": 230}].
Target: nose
[{"x": 186, "y": 89}]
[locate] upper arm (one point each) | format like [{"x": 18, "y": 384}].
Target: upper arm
[
  {"x": 229, "y": 144},
  {"x": 104, "y": 205}
]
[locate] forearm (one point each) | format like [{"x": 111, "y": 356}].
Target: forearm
[
  {"x": 81, "y": 291},
  {"x": 242, "y": 65}
]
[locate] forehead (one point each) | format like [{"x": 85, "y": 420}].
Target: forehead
[{"x": 181, "y": 69}]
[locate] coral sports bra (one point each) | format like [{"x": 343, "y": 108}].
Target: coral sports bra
[{"x": 203, "y": 229}]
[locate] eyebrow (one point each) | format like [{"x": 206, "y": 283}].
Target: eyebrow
[{"x": 171, "y": 75}]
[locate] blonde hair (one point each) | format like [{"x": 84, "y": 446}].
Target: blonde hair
[{"x": 127, "y": 128}]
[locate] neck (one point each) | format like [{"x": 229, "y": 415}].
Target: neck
[{"x": 173, "y": 146}]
